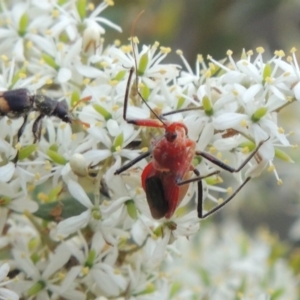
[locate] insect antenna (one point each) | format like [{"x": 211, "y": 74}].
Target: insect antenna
[
  {"x": 182, "y": 110},
  {"x": 83, "y": 100},
  {"x": 136, "y": 70}
]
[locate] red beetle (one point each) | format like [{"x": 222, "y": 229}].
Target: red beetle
[{"x": 167, "y": 176}]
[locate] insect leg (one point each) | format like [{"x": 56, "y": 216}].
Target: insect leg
[
  {"x": 198, "y": 178},
  {"x": 200, "y": 192},
  {"x": 226, "y": 167},
  {"x": 140, "y": 122},
  {"x": 127, "y": 94},
  {"x": 20, "y": 132},
  {"x": 37, "y": 128},
  {"x": 181, "y": 110},
  {"x": 229, "y": 169},
  {"x": 200, "y": 202},
  {"x": 132, "y": 162},
  {"x": 21, "y": 129}
]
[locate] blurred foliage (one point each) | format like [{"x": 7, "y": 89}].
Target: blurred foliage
[{"x": 210, "y": 26}]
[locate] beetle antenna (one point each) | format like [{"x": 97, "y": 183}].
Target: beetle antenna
[
  {"x": 85, "y": 99},
  {"x": 136, "y": 68},
  {"x": 154, "y": 113},
  {"x": 132, "y": 45}
]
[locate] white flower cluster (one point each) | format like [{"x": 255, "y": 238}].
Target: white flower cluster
[
  {"x": 224, "y": 263},
  {"x": 74, "y": 229}
]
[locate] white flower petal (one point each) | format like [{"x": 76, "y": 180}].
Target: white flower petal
[
  {"x": 79, "y": 194},
  {"x": 4, "y": 269},
  {"x": 73, "y": 224},
  {"x": 64, "y": 75},
  {"x": 251, "y": 93},
  {"x": 18, "y": 51},
  {"x": 228, "y": 120},
  {"x": 7, "y": 171},
  {"x": 57, "y": 261},
  {"x": 22, "y": 205},
  {"x": 226, "y": 144},
  {"x": 296, "y": 90},
  {"x": 206, "y": 136},
  {"x": 113, "y": 127},
  {"x": 87, "y": 71},
  {"x": 6, "y": 294},
  {"x": 95, "y": 156}
]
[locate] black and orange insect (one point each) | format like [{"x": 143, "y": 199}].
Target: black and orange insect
[{"x": 19, "y": 103}]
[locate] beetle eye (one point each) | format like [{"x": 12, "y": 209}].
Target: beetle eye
[{"x": 171, "y": 136}]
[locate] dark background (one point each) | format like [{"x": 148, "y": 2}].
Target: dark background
[{"x": 210, "y": 26}]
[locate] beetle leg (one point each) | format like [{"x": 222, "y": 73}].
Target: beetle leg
[
  {"x": 200, "y": 202},
  {"x": 20, "y": 132},
  {"x": 226, "y": 167},
  {"x": 200, "y": 191},
  {"x": 198, "y": 178},
  {"x": 181, "y": 110},
  {"x": 37, "y": 128},
  {"x": 21, "y": 129},
  {"x": 200, "y": 194},
  {"x": 132, "y": 162}
]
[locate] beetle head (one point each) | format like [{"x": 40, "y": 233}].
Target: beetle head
[
  {"x": 49, "y": 107},
  {"x": 175, "y": 130}
]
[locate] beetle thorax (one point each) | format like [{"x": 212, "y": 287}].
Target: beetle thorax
[{"x": 172, "y": 151}]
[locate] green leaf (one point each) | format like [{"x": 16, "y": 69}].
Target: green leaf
[
  {"x": 131, "y": 209},
  {"x": 207, "y": 106},
  {"x": 118, "y": 142},
  {"x": 283, "y": 155},
  {"x": 53, "y": 147},
  {"x": 16, "y": 77},
  {"x": 277, "y": 294},
  {"x": 180, "y": 102},
  {"x": 50, "y": 61},
  {"x": 75, "y": 97},
  {"x": 143, "y": 63},
  {"x": 205, "y": 276},
  {"x": 53, "y": 194},
  {"x": 4, "y": 201},
  {"x": 148, "y": 290},
  {"x": 120, "y": 75},
  {"x": 260, "y": 112},
  {"x": 35, "y": 257},
  {"x": 69, "y": 208},
  {"x": 145, "y": 92},
  {"x": 176, "y": 287},
  {"x": 36, "y": 288},
  {"x": 26, "y": 151},
  {"x": 56, "y": 157},
  {"x": 24, "y": 20},
  {"x": 102, "y": 111},
  {"x": 250, "y": 145},
  {"x": 81, "y": 8},
  {"x": 91, "y": 258},
  {"x": 267, "y": 71},
  {"x": 212, "y": 180}
]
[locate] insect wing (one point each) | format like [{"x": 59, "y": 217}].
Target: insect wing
[
  {"x": 162, "y": 192},
  {"x": 157, "y": 202}
]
